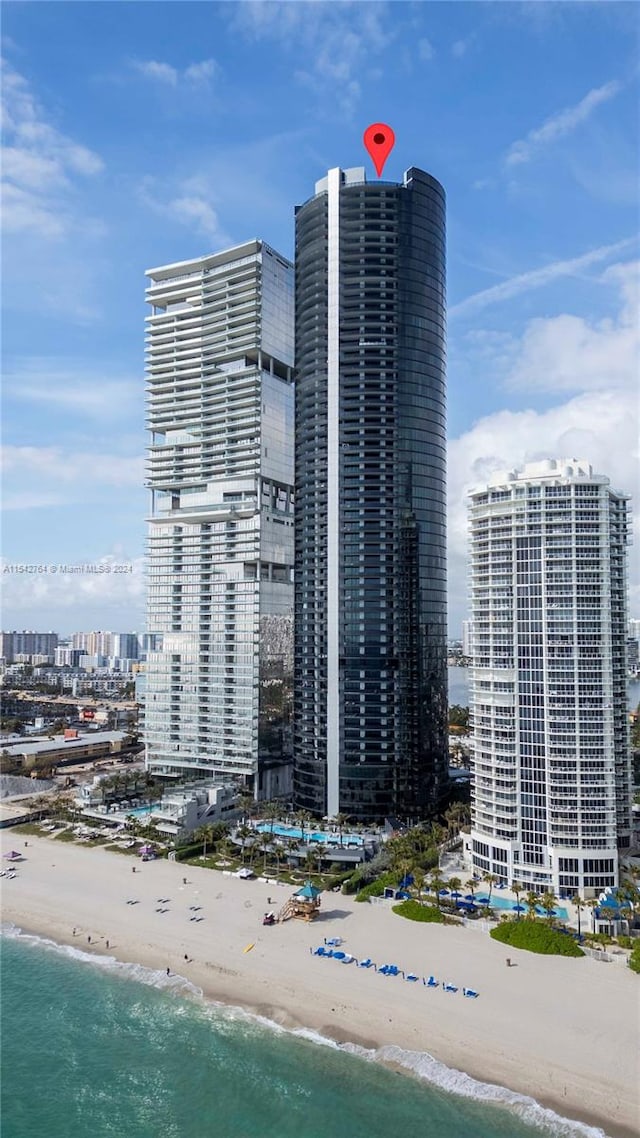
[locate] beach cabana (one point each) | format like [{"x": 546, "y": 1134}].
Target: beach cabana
[{"x": 13, "y": 855}]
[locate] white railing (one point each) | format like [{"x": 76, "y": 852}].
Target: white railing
[{"x": 605, "y": 957}]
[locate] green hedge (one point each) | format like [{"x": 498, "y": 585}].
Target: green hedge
[
  {"x": 534, "y": 936},
  {"x": 634, "y": 959},
  {"x": 376, "y": 888},
  {"x": 414, "y": 911}
]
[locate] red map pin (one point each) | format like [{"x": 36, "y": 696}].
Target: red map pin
[{"x": 379, "y": 140}]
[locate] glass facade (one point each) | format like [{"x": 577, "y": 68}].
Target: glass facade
[
  {"x": 370, "y": 699},
  {"x": 551, "y": 789},
  {"x": 220, "y": 564}
]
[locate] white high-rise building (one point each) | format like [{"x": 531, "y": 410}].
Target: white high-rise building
[
  {"x": 467, "y": 633},
  {"x": 220, "y": 567},
  {"x": 551, "y": 769}
]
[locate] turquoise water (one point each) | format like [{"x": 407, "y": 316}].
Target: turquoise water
[
  {"x": 508, "y": 903},
  {"x": 309, "y": 835},
  {"x": 93, "y": 1049}
]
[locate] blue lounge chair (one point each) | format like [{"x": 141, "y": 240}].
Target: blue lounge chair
[
  {"x": 339, "y": 955},
  {"x": 368, "y": 963},
  {"x": 411, "y": 976},
  {"x": 470, "y": 993},
  {"x": 348, "y": 958},
  {"x": 321, "y": 951},
  {"x": 335, "y": 941},
  {"x": 449, "y": 988},
  {"x": 432, "y": 982}
]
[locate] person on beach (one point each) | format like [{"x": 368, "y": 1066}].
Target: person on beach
[
  {"x": 508, "y": 962},
  {"x": 107, "y": 943},
  {"x": 168, "y": 971},
  {"x": 75, "y": 931},
  {"x": 88, "y": 940}
]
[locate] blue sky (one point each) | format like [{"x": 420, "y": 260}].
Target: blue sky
[{"x": 138, "y": 134}]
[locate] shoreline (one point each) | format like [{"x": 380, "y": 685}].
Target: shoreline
[{"x": 582, "y": 1071}]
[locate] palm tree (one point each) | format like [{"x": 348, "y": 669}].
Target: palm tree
[
  {"x": 548, "y": 901},
  {"x": 471, "y": 886},
  {"x": 531, "y": 900},
  {"x": 340, "y": 820},
  {"x": 204, "y": 834},
  {"x": 580, "y": 904},
  {"x": 271, "y": 812},
  {"x": 227, "y": 848},
  {"x": 277, "y": 849},
  {"x": 516, "y": 888},
  {"x": 418, "y": 880},
  {"x": 592, "y": 904},
  {"x": 243, "y": 833},
  {"x": 455, "y": 884},
  {"x": 491, "y": 879},
  {"x": 302, "y": 817},
  {"x": 437, "y": 834},
  {"x": 436, "y": 884},
  {"x": 319, "y": 852},
  {"x": 246, "y": 804}
]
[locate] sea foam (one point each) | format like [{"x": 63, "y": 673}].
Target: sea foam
[{"x": 419, "y": 1063}]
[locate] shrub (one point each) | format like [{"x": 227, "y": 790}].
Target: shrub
[
  {"x": 414, "y": 911},
  {"x": 634, "y": 959},
  {"x": 625, "y": 941},
  {"x": 376, "y": 888},
  {"x": 534, "y": 936}
]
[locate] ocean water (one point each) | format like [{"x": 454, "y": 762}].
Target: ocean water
[{"x": 95, "y": 1049}]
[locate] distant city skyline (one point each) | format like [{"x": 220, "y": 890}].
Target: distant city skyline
[{"x": 154, "y": 138}]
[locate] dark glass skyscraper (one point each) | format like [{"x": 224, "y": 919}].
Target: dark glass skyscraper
[{"x": 370, "y": 695}]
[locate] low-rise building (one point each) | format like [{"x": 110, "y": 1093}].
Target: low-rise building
[
  {"x": 61, "y": 751},
  {"x": 183, "y": 810}
]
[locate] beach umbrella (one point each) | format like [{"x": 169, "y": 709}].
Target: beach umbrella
[
  {"x": 455, "y": 894},
  {"x": 518, "y": 908},
  {"x": 483, "y": 900},
  {"x": 443, "y": 893},
  {"x": 471, "y": 897}
]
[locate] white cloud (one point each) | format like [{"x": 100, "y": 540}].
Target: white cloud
[
  {"x": 599, "y": 361},
  {"x": 461, "y": 47},
  {"x": 40, "y": 164},
  {"x": 71, "y": 477},
  {"x": 162, "y": 72},
  {"x": 201, "y": 73},
  {"x": 191, "y": 205},
  {"x": 82, "y": 390},
  {"x": 426, "y": 50},
  {"x": 195, "y": 75},
  {"x": 196, "y": 210},
  {"x": 561, "y": 124},
  {"x": 104, "y": 599},
  {"x": 567, "y": 353},
  {"x": 537, "y": 278},
  {"x": 336, "y": 40}
]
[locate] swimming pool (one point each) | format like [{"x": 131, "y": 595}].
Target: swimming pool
[
  {"x": 310, "y": 835},
  {"x": 508, "y": 903},
  {"x": 137, "y": 811}
]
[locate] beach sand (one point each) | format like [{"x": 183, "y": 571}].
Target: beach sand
[{"x": 565, "y": 1031}]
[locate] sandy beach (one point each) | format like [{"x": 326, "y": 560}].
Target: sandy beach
[{"x": 564, "y": 1031}]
